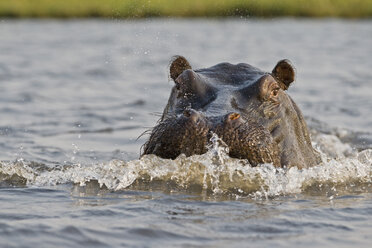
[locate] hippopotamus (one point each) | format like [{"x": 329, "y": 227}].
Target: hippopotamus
[{"x": 247, "y": 108}]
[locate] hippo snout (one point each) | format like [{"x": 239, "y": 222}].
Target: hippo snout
[{"x": 190, "y": 133}]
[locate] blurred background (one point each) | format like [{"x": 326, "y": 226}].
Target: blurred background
[
  {"x": 190, "y": 8},
  {"x": 81, "y": 80}
]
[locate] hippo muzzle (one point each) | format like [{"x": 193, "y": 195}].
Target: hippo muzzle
[
  {"x": 190, "y": 133},
  {"x": 245, "y": 107}
]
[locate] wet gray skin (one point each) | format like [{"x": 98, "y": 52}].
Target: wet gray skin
[{"x": 247, "y": 108}]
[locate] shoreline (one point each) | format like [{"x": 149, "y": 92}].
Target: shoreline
[{"x": 139, "y": 9}]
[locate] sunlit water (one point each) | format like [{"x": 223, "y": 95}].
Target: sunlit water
[{"x": 76, "y": 95}]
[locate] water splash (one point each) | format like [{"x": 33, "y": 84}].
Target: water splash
[{"x": 213, "y": 172}]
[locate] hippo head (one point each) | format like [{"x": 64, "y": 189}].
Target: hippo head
[{"x": 247, "y": 108}]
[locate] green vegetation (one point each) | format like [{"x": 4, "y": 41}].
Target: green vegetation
[{"x": 184, "y": 8}]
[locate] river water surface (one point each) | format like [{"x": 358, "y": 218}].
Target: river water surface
[{"x": 75, "y": 96}]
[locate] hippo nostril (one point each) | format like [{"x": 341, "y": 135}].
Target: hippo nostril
[
  {"x": 233, "y": 116},
  {"x": 191, "y": 114},
  {"x": 187, "y": 113}
]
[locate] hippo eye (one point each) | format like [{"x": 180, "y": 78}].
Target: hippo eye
[{"x": 275, "y": 92}]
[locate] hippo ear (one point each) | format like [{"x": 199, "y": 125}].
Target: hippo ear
[
  {"x": 284, "y": 73},
  {"x": 177, "y": 65}
]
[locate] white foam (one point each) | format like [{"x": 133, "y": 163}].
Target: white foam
[{"x": 213, "y": 172}]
